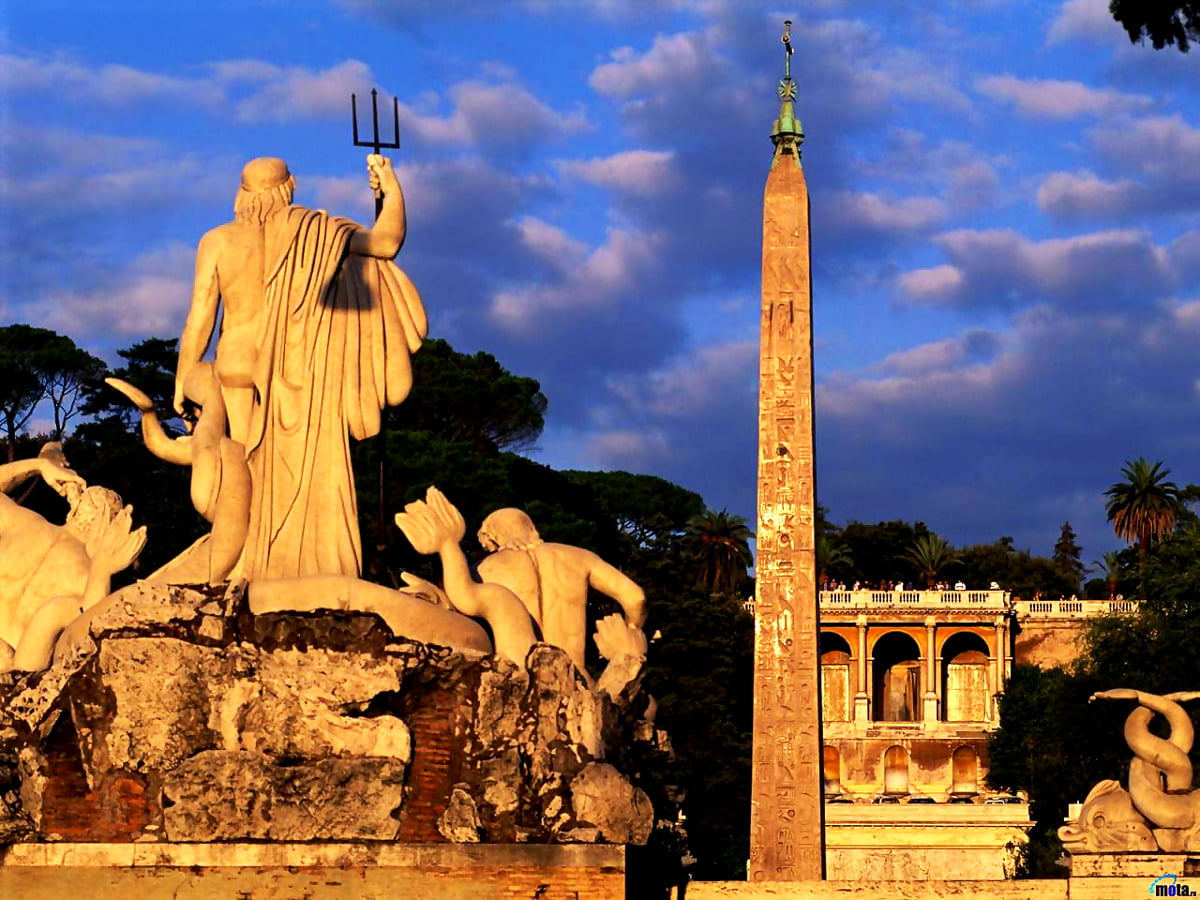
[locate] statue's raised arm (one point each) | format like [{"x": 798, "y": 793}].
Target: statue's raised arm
[{"x": 385, "y": 239}]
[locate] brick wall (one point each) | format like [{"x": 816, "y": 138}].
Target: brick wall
[
  {"x": 118, "y": 808},
  {"x": 436, "y": 766}
]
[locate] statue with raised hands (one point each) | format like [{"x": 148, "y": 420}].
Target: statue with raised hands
[
  {"x": 552, "y": 581},
  {"x": 50, "y": 574},
  {"x": 434, "y": 525},
  {"x": 317, "y": 325},
  {"x": 220, "y": 484}
]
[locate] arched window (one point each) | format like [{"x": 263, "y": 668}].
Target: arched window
[
  {"x": 835, "y": 678},
  {"x": 897, "y": 688},
  {"x": 895, "y": 771},
  {"x": 831, "y": 762},
  {"x": 965, "y": 678},
  {"x": 965, "y": 764}
]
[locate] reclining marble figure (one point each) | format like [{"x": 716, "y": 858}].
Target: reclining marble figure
[{"x": 50, "y": 574}]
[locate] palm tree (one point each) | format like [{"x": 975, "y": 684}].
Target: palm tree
[
  {"x": 1110, "y": 569},
  {"x": 930, "y": 555},
  {"x": 1143, "y": 508},
  {"x": 720, "y": 541},
  {"x": 831, "y": 553}
]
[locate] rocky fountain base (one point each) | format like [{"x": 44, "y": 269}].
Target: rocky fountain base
[{"x": 183, "y": 729}]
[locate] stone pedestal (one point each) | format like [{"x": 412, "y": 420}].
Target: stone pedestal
[
  {"x": 1103, "y": 876},
  {"x": 930, "y": 712},
  {"x": 353, "y": 871},
  {"x": 862, "y": 708},
  {"x": 924, "y": 842}
]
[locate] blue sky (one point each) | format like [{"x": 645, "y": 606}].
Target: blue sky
[{"x": 1005, "y": 200}]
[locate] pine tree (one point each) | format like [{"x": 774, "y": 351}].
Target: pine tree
[{"x": 1067, "y": 554}]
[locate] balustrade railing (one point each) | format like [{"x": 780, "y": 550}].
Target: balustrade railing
[{"x": 877, "y": 599}]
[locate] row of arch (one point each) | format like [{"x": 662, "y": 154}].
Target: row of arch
[
  {"x": 964, "y": 766},
  {"x": 898, "y": 678}
]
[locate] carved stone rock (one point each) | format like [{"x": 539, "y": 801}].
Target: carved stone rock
[{"x": 221, "y": 796}]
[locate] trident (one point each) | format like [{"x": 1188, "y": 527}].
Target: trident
[{"x": 376, "y": 142}]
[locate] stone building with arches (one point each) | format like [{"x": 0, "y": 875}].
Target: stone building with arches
[{"x": 908, "y": 694}]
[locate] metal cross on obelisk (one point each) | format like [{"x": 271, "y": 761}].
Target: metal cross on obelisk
[{"x": 377, "y": 144}]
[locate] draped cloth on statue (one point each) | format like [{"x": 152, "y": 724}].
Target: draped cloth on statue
[{"x": 335, "y": 342}]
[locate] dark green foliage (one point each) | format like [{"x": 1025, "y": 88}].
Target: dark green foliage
[
  {"x": 642, "y": 506},
  {"x": 876, "y": 548},
  {"x": 471, "y": 399},
  {"x": 38, "y": 365},
  {"x": 1018, "y": 571},
  {"x": 930, "y": 556},
  {"x": 1056, "y": 745},
  {"x": 150, "y": 366},
  {"x": 700, "y": 670},
  {"x": 1067, "y": 555},
  {"x": 833, "y": 560},
  {"x": 1144, "y": 508},
  {"x": 718, "y": 543},
  {"x": 1165, "y": 22}
]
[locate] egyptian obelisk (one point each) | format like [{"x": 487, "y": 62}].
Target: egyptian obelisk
[{"x": 786, "y": 819}]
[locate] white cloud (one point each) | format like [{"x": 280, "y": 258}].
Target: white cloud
[
  {"x": 661, "y": 420},
  {"x": 550, "y": 244},
  {"x": 599, "y": 282},
  {"x": 284, "y": 94},
  {"x": 677, "y": 59},
  {"x": 1042, "y": 98},
  {"x": 635, "y": 451},
  {"x": 1162, "y": 148},
  {"x": 150, "y": 296},
  {"x": 1083, "y": 194},
  {"x": 1001, "y": 267},
  {"x": 1084, "y": 19},
  {"x": 685, "y": 386},
  {"x": 111, "y": 85},
  {"x": 872, "y": 212},
  {"x": 639, "y": 172},
  {"x": 932, "y": 286},
  {"x": 490, "y": 114},
  {"x": 61, "y": 172}
]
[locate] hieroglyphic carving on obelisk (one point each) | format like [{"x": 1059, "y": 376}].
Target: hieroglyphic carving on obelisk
[{"x": 786, "y": 834}]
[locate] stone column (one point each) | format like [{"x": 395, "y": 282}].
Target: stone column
[
  {"x": 1000, "y": 671},
  {"x": 933, "y": 681},
  {"x": 786, "y": 808},
  {"x": 862, "y": 697},
  {"x": 995, "y": 670}
]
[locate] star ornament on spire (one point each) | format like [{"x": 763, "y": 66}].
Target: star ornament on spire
[{"x": 787, "y": 89}]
